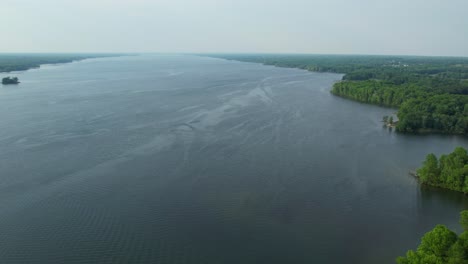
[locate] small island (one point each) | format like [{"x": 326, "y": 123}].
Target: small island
[{"x": 10, "y": 80}]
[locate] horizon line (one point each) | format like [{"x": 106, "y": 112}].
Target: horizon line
[{"x": 228, "y": 53}]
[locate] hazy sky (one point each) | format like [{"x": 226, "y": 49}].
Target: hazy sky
[{"x": 419, "y": 27}]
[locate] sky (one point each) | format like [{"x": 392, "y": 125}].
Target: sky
[{"x": 394, "y": 27}]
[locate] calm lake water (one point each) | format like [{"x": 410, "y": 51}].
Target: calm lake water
[{"x": 185, "y": 159}]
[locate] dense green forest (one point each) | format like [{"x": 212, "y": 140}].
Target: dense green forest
[
  {"x": 431, "y": 93},
  {"x": 449, "y": 171},
  {"x": 441, "y": 246},
  {"x": 20, "y": 62}
]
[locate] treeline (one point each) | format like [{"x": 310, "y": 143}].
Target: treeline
[
  {"x": 420, "y": 110},
  {"x": 21, "y": 62},
  {"x": 444, "y": 113},
  {"x": 362, "y": 67},
  {"x": 441, "y": 246},
  {"x": 430, "y": 92},
  {"x": 377, "y": 92},
  {"x": 449, "y": 171}
]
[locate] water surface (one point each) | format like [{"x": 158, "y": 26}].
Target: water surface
[{"x": 184, "y": 159}]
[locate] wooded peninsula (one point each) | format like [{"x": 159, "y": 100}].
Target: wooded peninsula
[
  {"x": 449, "y": 171},
  {"x": 431, "y": 93}
]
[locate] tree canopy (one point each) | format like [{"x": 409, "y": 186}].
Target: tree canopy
[
  {"x": 449, "y": 171},
  {"x": 440, "y": 246}
]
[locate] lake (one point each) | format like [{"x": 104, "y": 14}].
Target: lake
[{"x": 186, "y": 159}]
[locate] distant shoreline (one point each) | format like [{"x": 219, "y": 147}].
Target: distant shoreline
[{"x": 23, "y": 62}]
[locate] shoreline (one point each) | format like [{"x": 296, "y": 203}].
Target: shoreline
[{"x": 25, "y": 62}]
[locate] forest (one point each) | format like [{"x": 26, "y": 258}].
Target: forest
[
  {"x": 431, "y": 93},
  {"x": 20, "y": 62},
  {"x": 449, "y": 171},
  {"x": 441, "y": 246}
]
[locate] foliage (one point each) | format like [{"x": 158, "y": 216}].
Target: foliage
[
  {"x": 464, "y": 220},
  {"x": 439, "y": 246},
  {"x": 419, "y": 111},
  {"x": 450, "y": 171},
  {"x": 443, "y": 113},
  {"x": 430, "y": 92}
]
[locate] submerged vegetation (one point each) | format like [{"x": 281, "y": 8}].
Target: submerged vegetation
[
  {"x": 449, "y": 171},
  {"x": 441, "y": 246},
  {"x": 431, "y": 93}
]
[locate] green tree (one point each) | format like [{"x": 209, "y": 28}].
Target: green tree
[
  {"x": 456, "y": 253},
  {"x": 437, "y": 241},
  {"x": 440, "y": 245},
  {"x": 385, "y": 119},
  {"x": 464, "y": 219},
  {"x": 449, "y": 171},
  {"x": 429, "y": 173}
]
